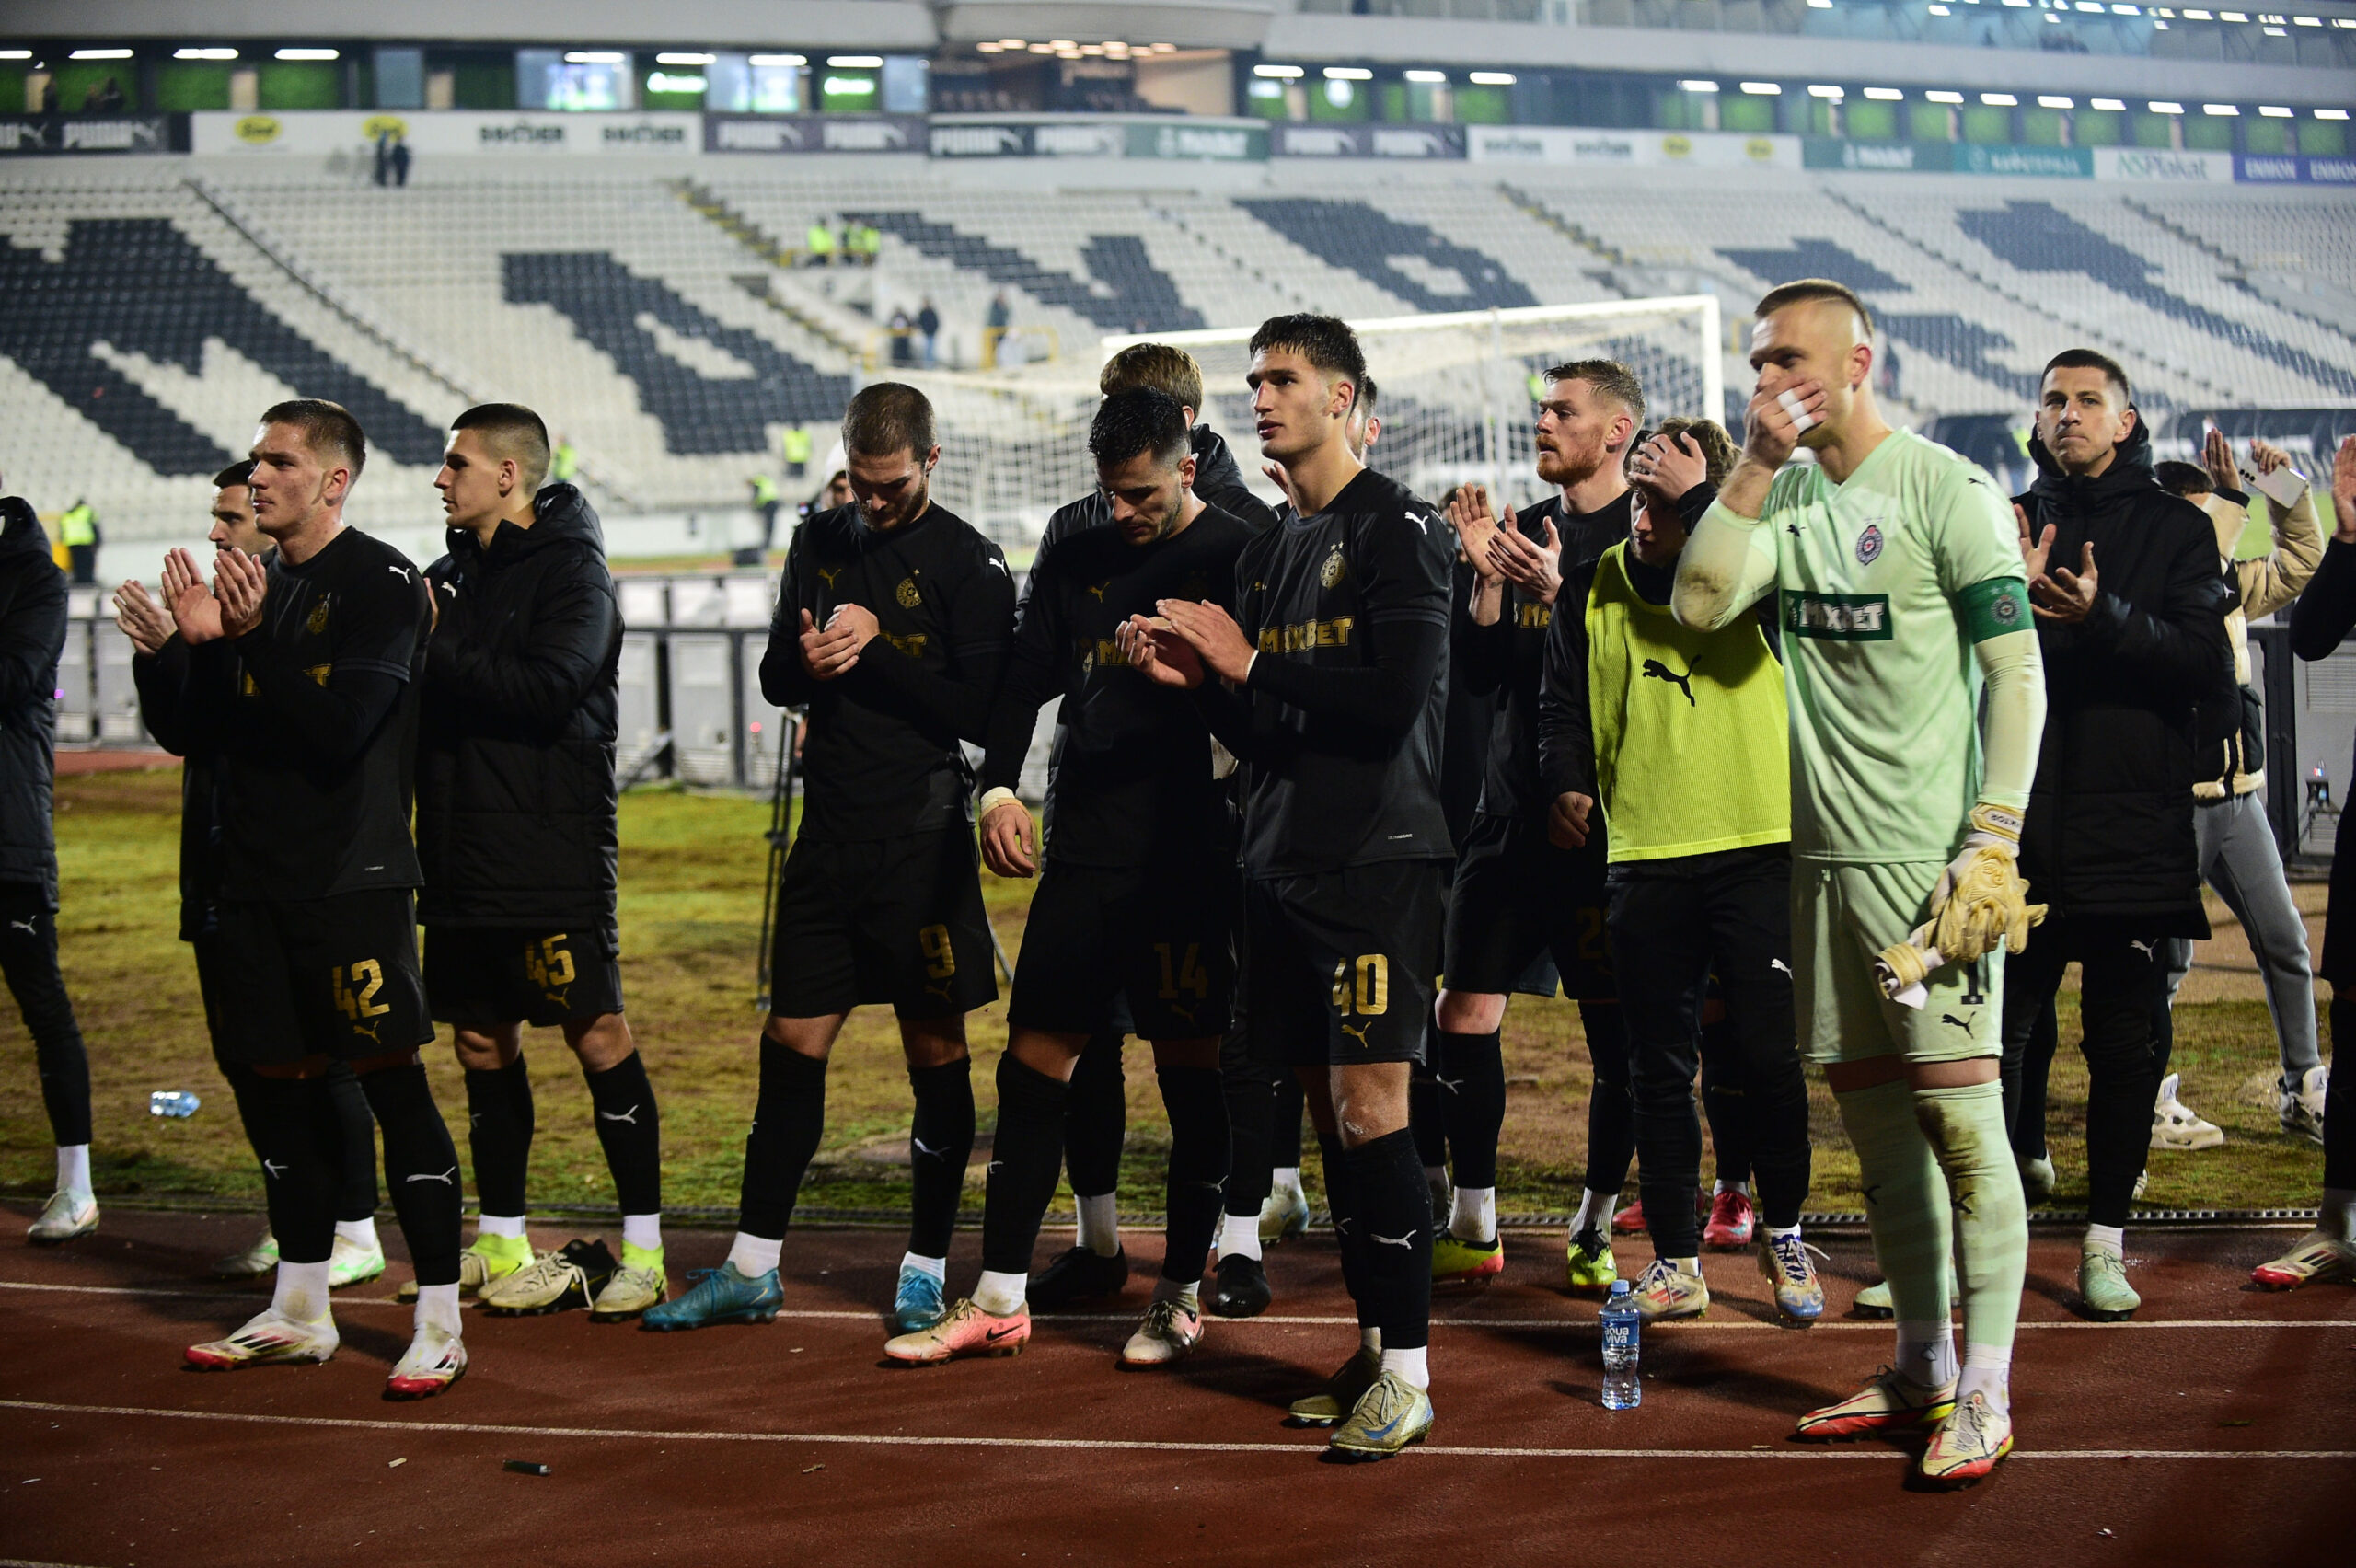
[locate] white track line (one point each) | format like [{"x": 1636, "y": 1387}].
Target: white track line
[
  {"x": 1722, "y": 1325},
  {"x": 901, "y": 1440}
]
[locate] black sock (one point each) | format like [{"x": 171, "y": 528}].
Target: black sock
[
  {"x": 940, "y": 1142},
  {"x": 1426, "y": 1118},
  {"x": 1096, "y": 1118},
  {"x": 1393, "y": 1209},
  {"x": 357, "y": 1195},
  {"x": 499, "y": 1135},
  {"x": 1472, "y": 1079},
  {"x": 1350, "y": 1230},
  {"x": 631, "y": 1132},
  {"x": 788, "y": 1121},
  {"x": 294, "y": 1135},
  {"x": 1199, "y": 1160},
  {"x": 1611, "y": 1104},
  {"x": 1023, "y": 1160},
  {"x": 421, "y": 1167},
  {"x": 1284, "y": 1142},
  {"x": 1248, "y": 1083}
]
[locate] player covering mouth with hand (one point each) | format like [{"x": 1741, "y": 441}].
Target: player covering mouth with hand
[{"x": 1902, "y": 594}]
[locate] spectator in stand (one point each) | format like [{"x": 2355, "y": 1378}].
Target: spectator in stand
[
  {"x": 819, "y": 243},
  {"x": 2131, "y": 620},
  {"x": 565, "y": 461},
  {"x": 400, "y": 160},
  {"x": 2319, "y": 623},
  {"x": 78, "y": 530},
  {"x": 2238, "y": 856},
  {"x": 994, "y": 327},
  {"x": 384, "y": 169},
  {"x": 903, "y": 351},
  {"x": 928, "y": 324}
]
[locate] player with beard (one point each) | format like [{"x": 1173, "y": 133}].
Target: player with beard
[
  {"x": 1528, "y": 881},
  {"x": 1134, "y": 814},
  {"x": 1328, "y": 683},
  {"x": 891, "y": 625},
  {"x": 302, "y": 683},
  {"x": 159, "y": 667},
  {"x": 1096, "y": 1110}
]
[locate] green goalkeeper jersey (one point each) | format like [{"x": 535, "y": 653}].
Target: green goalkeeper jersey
[{"x": 1885, "y": 584}]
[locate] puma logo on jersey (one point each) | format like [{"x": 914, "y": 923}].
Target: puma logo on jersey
[
  {"x": 629, "y": 1115},
  {"x": 1098, "y": 590},
  {"x": 829, "y": 573},
  {"x": 400, "y": 571},
  {"x": 1656, "y": 670},
  {"x": 940, "y": 989},
  {"x": 449, "y": 1178},
  {"x": 369, "y": 1030},
  {"x": 1779, "y": 964},
  {"x": 555, "y": 993},
  {"x": 1356, "y": 1031},
  {"x": 451, "y": 589},
  {"x": 1962, "y": 1023},
  {"x": 1185, "y": 1013}
]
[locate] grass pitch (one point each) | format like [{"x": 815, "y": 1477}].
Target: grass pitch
[{"x": 692, "y": 870}]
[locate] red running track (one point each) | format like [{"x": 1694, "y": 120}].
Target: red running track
[{"x": 2218, "y": 1427}]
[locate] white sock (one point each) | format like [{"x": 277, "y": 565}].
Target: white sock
[
  {"x": 1775, "y": 1233},
  {"x": 359, "y": 1232},
  {"x": 2112, "y": 1238},
  {"x": 74, "y": 1168},
  {"x": 438, "y": 1305},
  {"x": 642, "y": 1230},
  {"x": 1724, "y": 1187},
  {"x": 500, "y": 1224},
  {"x": 1412, "y": 1365},
  {"x": 1284, "y": 1179},
  {"x": 755, "y": 1255},
  {"x": 1595, "y": 1210},
  {"x": 1926, "y": 1352},
  {"x": 1190, "y": 1293},
  {"x": 1370, "y": 1339},
  {"x": 1475, "y": 1217},
  {"x": 1987, "y": 1369},
  {"x": 1099, "y": 1224},
  {"x": 1239, "y": 1235},
  {"x": 2336, "y": 1218},
  {"x": 301, "y": 1292},
  {"x": 1002, "y": 1293},
  {"x": 1687, "y": 1266},
  {"x": 937, "y": 1267}
]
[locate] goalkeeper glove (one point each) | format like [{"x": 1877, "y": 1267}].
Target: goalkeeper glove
[{"x": 1981, "y": 904}]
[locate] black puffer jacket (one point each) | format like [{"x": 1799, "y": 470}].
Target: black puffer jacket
[
  {"x": 516, "y": 796},
  {"x": 2110, "y": 828},
  {"x": 32, "y": 634}
]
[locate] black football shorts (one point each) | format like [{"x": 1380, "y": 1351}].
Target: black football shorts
[
  {"x": 1164, "y": 937},
  {"x": 1341, "y": 962},
  {"x": 1518, "y": 898},
  {"x": 896, "y": 920},
  {"x": 481, "y": 978},
  {"x": 327, "y": 976}
]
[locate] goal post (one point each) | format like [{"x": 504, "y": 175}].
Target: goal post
[{"x": 1455, "y": 397}]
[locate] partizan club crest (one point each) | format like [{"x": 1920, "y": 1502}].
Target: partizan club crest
[
  {"x": 1331, "y": 575},
  {"x": 1869, "y": 545}
]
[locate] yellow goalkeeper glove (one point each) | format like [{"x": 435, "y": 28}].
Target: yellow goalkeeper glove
[{"x": 1981, "y": 903}]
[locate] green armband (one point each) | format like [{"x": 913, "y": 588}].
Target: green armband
[{"x": 1995, "y": 607}]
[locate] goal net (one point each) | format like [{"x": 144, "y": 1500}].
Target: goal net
[{"x": 1456, "y": 396}]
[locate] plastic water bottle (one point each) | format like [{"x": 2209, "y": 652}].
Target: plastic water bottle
[
  {"x": 1622, "y": 1329},
  {"x": 177, "y": 1102}
]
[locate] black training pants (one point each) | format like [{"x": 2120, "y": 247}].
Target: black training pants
[{"x": 28, "y": 957}]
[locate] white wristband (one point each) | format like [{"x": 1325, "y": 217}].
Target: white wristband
[{"x": 993, "y": 799}]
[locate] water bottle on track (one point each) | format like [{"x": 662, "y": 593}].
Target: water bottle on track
[
  {"x": 1623, "y": 1330},
  {"x": 176, "y": 1102}
]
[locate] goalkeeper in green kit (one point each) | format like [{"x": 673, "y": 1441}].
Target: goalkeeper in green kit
[{"x": 1898, "y": 568}]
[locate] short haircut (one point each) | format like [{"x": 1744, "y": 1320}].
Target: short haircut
[
  {"x": 2187, "y": 480},
  {"x": 888, "y": 416},
  {"x": 329, "y": 430},
  {"x": 1806, "y": 289},
  {"x": 511, "y": 430},
  {"x": 1136, "y": 420},
  {"x": 2090, "y": 359},
  {"x": 235, "y": 476},
  {"x": 1158, "y": 365},
  {"x": 1365, "y": 396},
  {"x": 1717, "y": 447},
  {"x": 1327, "y": 343},
  {"x": 1608, "y": 377}
]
